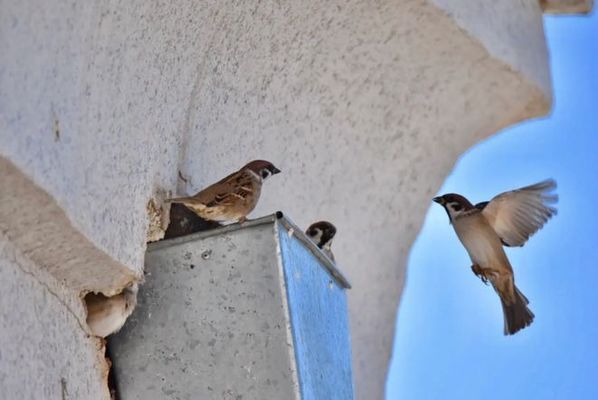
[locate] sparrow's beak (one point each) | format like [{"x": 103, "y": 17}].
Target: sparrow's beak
[
  {"x": 439, "y": 200},
  {"x": 275, "y": 171}
]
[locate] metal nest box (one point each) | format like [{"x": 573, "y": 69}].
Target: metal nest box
[{"x": 251, "y": 311}]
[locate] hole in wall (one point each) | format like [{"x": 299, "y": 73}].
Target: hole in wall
[
  {"x": 106, "y": 315},
  {"x": 185, "y": 222}
]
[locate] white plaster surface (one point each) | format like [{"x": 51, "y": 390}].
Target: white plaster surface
[
  {"x": 44, "y": 352},
  {"x": 32, "y": 221},
  {"x": 508, "y": 29},
  {"x": 365, "y": 106}
]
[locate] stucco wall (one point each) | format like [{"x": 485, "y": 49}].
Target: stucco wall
[
  {"x": 365, "y": 106},
  {"x": 44, "y": 352}
]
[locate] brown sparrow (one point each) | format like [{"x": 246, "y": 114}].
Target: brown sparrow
[
  {"x": 106, "y": 315},
  {"x": 233, "y": 197},
  {"x": 322, "y": 233},
  {"x": 508, "y": 219}
]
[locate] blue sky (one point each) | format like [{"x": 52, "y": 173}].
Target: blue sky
[{"x": 449, "y": 342}]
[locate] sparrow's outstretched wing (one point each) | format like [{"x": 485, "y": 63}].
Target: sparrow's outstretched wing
[{"x": 518, "y": 214}]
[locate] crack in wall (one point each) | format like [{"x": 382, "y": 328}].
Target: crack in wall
[{"x": 192, "y": 109}]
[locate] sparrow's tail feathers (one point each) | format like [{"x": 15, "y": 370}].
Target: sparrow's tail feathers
[{"x": 517, "y": 315}]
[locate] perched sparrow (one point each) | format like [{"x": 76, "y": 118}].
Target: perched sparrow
[
  {"x": 322, "y": 233},
  {"x": 233, "y": 197},
  {"x": 106, "y": 315},
  {"x": 508, "y": 219}
]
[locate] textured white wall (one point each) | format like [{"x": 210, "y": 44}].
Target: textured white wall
[
  {"x": 365, "y": 106},
  {"x": 44, "y": 353}
]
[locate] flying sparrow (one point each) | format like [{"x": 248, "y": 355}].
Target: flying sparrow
[
  {"x": 233, "y": 197},
  {"x": 322, "y": 233},
  {"x": 509, "y": 219},
  {"x": 106, "y": 315}
]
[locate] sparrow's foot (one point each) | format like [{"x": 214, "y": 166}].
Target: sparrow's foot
[
  {"x": 479, "y": 272},
  {"x": 241, "y": 220}
]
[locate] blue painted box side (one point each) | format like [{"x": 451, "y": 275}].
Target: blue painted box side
[{"x": 319, "y": 323}]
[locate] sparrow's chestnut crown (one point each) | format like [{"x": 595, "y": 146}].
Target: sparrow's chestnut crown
[
  {"x": 262, "y": 168},
  {"x": 453, "y": 198}
]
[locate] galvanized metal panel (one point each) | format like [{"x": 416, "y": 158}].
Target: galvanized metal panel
[
  {"x": 210, "y": 323},
  {"x": 254, "y": 311},
  {"x": 319, "y": 322}
]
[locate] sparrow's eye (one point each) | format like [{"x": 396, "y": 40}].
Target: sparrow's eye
[
  {"x": 265, "y": 173},
  {"x": 456, "y": 206}
]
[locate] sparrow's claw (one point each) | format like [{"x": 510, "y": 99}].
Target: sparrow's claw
[{"x": 479, "y": 272}]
